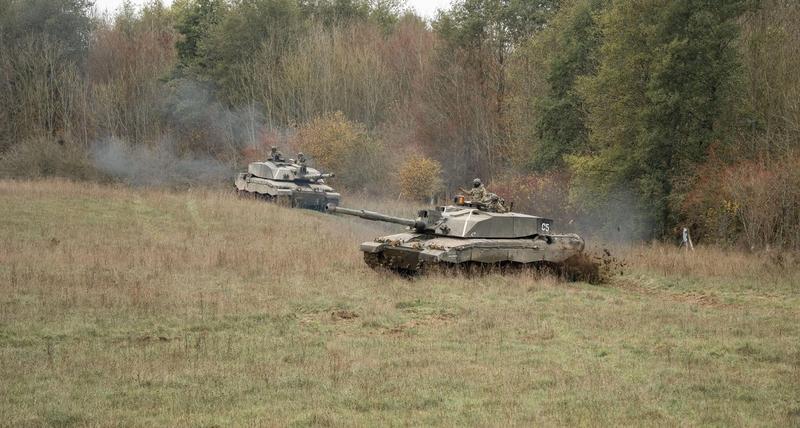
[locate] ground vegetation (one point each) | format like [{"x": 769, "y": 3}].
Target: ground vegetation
[{"x": 154, "y": 307}]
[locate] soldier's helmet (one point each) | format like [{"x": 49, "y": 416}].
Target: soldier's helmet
[
  {"x": 494, "y": 197},
  {"x": 476, "y": 182},
  {"x": 273, "y": 149}
]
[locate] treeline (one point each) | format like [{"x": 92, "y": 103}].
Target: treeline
[{"x": 633, "y": 117}]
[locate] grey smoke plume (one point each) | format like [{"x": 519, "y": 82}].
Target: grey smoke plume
[
  {"x": 201, "y": 131},
  {"x": 195, "y": 115},
  {"x": 156, "y": 166},
  {"x": 618, "y": 219}
]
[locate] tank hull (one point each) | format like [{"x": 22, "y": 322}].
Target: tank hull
[
  {"x": 295, "y": 194},
  {"x": 415, "y": 252}
]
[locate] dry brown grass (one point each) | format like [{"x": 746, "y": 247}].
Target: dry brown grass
[
  {"x": 707, "y": 262},
  {"x": 148, "y": 307}
]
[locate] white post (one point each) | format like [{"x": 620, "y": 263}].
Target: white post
[{"x": 686, "y": 240}]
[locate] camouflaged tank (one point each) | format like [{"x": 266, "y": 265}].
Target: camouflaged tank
[
  {"x": 471, "y": 235},
  {"x": 287, "y": 183}
]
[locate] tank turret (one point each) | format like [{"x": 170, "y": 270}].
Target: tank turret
[{"x": 463, "y": 221}]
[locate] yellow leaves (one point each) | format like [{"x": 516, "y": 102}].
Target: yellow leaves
[
  {"x": 345, "y": 148},
  {"x": 420, "y": 177},
  {"x": 331, "y": 138},
  {"x": 731, "y": 207}
]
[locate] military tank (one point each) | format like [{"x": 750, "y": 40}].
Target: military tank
[
  {"x": 472, "y": 235},
  {"x": 288, "y": 183}
]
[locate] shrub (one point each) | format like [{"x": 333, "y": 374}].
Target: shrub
[
  {"x": 420, "y": 178},
  {"x": 345, "y": 148},
  {"x": 47, "y": 157},
  {"x": 766, "y": 201},
  {"x": 751, "y": 203}
]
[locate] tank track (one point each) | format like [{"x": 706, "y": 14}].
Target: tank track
[
  {"x": 283, "y": 201},
  {"x": 374, "y": 260},
  {"x": 576, "y": 268},
  {"x": 378, "y": 261}
]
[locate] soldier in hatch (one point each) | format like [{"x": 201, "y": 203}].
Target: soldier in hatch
[
  {"x": 478, "y": 191},
  {"x": 496, "y": 204},
  {"x": 301, "y": 160},
  {"x": 275, "y": 155},
  {"x": 479, "y": 194}
]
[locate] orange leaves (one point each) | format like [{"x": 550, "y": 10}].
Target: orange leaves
[
  {"x": 345, "y": 148},
  {"x": 330, "y": 139},
  {"x": 420, "y": 177},
  {"x": 754, "y": 203}
]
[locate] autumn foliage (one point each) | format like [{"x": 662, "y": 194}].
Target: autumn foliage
[
  {"x": 420, "y": 178},
  {"x": 754, "y": 204},
  {"x": 546, "y": 194},
  {"x": 344, "y": 148},
  {"x": 580, "y": 109}
]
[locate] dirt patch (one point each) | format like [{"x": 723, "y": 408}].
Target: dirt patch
[
  {"x": 701, "y": 299},
  {"x": 153, "y": 339},
  {"x": 432, "y": 320},
  {"x": 343, "y": 315},
  {"x": 691, "y": 297}
]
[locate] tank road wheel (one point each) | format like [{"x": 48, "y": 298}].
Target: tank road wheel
[
  {"x": 437, "y": 268},
  {"x": 471, "y": 269},
  {"x": 244, "y": 194},
  {"x": 283, "y": 201},
  {"x": 266, "y": 197},
  {"x": 375, "y": 261}
]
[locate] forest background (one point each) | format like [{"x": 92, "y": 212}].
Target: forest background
[{"x": 630, "y": 117}]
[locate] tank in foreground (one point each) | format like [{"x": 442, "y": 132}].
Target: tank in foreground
[
  {"x": 470, "y": 235},
  {"x": 287, "y": 183}
]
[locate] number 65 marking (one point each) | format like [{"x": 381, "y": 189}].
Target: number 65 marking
[{"x": 546, "y": 227}]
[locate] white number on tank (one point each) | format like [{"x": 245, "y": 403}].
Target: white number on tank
[{"x": 546, "y": 227}]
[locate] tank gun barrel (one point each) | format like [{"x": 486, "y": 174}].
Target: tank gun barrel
[
  {"x": 315, "y": 177},
  {"x": 370, "y": 215}
]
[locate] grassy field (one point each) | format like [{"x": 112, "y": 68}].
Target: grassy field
[{"x": 143, "y": 307}]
